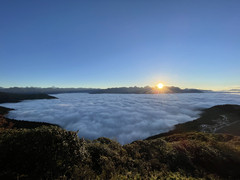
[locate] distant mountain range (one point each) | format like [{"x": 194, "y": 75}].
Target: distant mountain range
[
  {"x": 146, "y": 90},
  {"x": 50, "y": 90},
  {"x": 118, "y": 90},
  {"x": 235, "y": 90}
]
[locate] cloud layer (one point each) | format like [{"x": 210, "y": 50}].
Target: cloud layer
[{"x": 117, "y": 116}]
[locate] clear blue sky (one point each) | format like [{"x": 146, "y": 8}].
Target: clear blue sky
[{"x": 187, "y": 43}]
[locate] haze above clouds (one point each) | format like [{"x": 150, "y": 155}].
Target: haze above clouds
[{"x": 117, "y": 116}]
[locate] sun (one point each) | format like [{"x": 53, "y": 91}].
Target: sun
[{"x": 160, "y": 85}]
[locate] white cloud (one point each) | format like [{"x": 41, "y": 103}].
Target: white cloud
[{"x": 117, "y": 116}]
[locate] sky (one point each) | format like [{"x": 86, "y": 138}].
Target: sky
[{"x": 99, "y": 44}]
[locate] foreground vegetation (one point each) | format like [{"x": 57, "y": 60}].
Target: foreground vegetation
[{"x": 49, "y": 152}]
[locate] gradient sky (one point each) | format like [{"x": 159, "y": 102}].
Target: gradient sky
[{"x": 187, "y": 43}]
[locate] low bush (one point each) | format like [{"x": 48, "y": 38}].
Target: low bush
[
  {"x": 49, "y": 152},
  {"x": 45, "y": 152}
]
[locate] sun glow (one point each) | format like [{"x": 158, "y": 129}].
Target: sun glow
[{"x": 160, "y": 85}]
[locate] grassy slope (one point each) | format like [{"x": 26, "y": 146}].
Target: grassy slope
[{"x": 217, "y": 119}]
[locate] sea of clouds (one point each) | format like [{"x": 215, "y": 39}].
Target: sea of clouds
[{"x": 124, "y": 117}]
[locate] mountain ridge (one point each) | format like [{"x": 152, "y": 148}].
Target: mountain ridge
[{"x": 116, "y": 90}]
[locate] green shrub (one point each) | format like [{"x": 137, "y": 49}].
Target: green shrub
[
  {"x": 53, "y": 153},
  {"x": 45, "y": 152}
]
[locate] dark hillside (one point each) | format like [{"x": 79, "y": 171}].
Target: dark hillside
[
  {"x": 12, "y": 123},
  {"x": 16, "y": 124},
  {"x": 10, "y": 97},
  {"x": 217, "y": 119}
]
